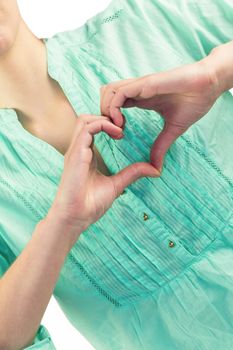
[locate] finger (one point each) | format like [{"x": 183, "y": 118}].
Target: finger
[
  {"x": 80, "y": 123},
  {"x": 131, "y": 91},
  {"x": 132, "y": 173},
  {"x": 154, "y": 103},
  {"x": 84, "y": 119},
  {"x": 168, "y": 82},
  {"x": 96, "y": 127},
  {"x": 176, "y": 80},
  {"x": 106, "y": 126},
  {"x": 89, "y": 118},
  {"x": 163, "y": 142},
  {"x": 78, "y": 127},
  {"x": 107, "y": 93},
  {"x": 105, "y": 98}
]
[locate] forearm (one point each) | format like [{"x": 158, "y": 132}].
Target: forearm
[
  {"x": 27, "y": 286},
  {"x": 221, "y": 61}
]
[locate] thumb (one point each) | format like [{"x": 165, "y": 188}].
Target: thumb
[
  {"x": 132, "y": 173},
  {"x": 163, "y": 142}
]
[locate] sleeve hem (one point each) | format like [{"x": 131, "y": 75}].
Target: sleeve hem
[{"x": 42, "y": 340}]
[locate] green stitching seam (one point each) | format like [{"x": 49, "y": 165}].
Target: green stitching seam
[
  {"x": 70, "y": 255},
  {"x": 113, "y": 17}
]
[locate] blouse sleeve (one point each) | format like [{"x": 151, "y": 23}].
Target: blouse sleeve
[{"x": 42, "y": 339}]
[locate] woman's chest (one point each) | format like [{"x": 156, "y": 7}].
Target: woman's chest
[{"x": 58, "y": 133}]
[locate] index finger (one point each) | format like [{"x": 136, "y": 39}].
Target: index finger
[
  {"x": 130, "y": 90},
  {"x": 107, "y": 93}
]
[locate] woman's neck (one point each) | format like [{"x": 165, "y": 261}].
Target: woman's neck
[{"x": 24, "y": 81}]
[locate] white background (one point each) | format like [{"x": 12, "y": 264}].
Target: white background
[{"x": 45, "y": 18}]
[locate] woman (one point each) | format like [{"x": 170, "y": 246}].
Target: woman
[{"x": 148, "y": 267}]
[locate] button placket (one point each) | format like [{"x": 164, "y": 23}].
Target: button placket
[
  {"x": 171, "y": 244},
  {"x": 155, "y": 225},
  {"x": 168, "y": 250},
  {"x": 141, "y": 210}
]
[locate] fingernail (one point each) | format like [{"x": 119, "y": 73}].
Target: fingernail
[
  {"x": 157, "y": 171},
  {"x": 120, "y": 135}
]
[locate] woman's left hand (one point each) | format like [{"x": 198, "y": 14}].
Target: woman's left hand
[{"x": 182, "y": 96}]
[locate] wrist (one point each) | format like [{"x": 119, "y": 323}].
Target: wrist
[
  {"x": 220, "y": 62},
  {"x": 65, "y": 228}
]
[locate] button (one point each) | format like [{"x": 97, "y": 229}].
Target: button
[
  {"x": 145, "y": 216},
  {"x": 171, "y": 244}
]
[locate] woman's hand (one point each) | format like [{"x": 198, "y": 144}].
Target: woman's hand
[
  {"x": 85, "y": 194},
  {"x": 182, "y": 96}
]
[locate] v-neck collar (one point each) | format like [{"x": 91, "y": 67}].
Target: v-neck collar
[{"x": 58, "y": 68}]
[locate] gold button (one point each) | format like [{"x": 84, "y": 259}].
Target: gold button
[
  {"x": 145, "y": 216},
  {"x": 171, "y": 244}
]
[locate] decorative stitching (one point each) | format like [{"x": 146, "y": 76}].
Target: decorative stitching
[
  {"x": 27, "y": 204},
  {"x": 189, "y": 143},
  {"x": 94, "y": 283},
  {"x": 70, "y": 255},
  {"x": 113, "y": 17},
  {"x": 209, "y": 160}
]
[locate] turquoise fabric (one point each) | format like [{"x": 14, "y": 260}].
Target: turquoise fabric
[{"x": 123, "y": 286}]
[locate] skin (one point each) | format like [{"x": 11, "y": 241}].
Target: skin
[
  {"x": 28, "y": 89},
  {"x": 83, "y": 195},
  {"x": 182, "y": 96},
  {"x": 22, "y": 72}
]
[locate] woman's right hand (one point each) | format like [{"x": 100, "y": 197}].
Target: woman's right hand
[{"x": 84, "y": 193}]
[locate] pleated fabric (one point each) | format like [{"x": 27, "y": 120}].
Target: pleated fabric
[{"x": 156, "y": 271}]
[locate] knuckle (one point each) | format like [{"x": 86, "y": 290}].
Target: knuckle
[
  {"x": 116, "y": 187},
  {"x": 136, "y": 170},
  {"x": 120, "y": 90},
  {"x": 111, "y": 110},
  {"x": 111, "y": 87},
  {"x": 106, "y": 118},
  {"x": 86, "y": 128}
]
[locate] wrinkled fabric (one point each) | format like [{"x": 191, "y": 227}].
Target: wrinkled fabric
[{"x": 124, "y": 285}]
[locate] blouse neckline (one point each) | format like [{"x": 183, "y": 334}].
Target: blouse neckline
[{"x": 8, "y": 116}]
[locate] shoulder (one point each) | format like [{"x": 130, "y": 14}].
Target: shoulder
[{"x": 92, "y": 26}]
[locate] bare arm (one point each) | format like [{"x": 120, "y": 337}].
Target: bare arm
[
  {"x": 181, "y": 95},
  {"x": 27, "y": 286},
  {"x": 83, "y": 196}
]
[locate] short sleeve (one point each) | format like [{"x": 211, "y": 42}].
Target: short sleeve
[
  {"x": 7, "y": 257},
  {"x": 42, "y": 339}
]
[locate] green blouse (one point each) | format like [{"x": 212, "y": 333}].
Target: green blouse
[{"x": 155, "y": 272}]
